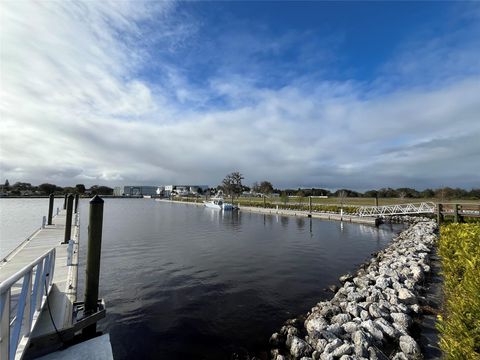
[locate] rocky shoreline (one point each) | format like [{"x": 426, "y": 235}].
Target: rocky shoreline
[{"x": 372, "y": 313}]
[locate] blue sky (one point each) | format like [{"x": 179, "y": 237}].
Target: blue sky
[{"x": 329, "y": 94}]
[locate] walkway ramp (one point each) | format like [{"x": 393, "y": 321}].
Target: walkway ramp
[
  {"x": 26, "y": 277},
  {"x": 398, "y": 209}
]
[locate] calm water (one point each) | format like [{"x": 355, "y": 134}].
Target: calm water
[
  {"x": 188, "y": 282},
  {"x": 19, "y": 218}
]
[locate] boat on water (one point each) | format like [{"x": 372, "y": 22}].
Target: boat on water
[{"x": 217, "y": 202}]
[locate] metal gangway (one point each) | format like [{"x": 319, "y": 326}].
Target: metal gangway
[
  {"x": 17, "y": 323},
  {"x": 397, "y": 209}
]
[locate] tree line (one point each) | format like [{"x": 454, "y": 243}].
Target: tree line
[
  {"x": 27, "y": 189},
  {"x": 444, "y": 193},
  {"x": 232, "y": 185}
]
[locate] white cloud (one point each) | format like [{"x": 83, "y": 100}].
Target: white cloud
[{"x": 73, "y": 110}]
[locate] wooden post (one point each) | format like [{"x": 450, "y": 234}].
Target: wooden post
[
  {"x": 68, "y": 219},
  {"x": 264, "y": 201},
  {"x": 458, "y": 207},
  {"x": 456, "y": 217},
  {"x": 50, "y": 208},
  {"x": 65, "y": 202},
  {"x": 92, "y": 272},
  {"x": 310, "y": 204},
  {"x": 77, "y": 198},
  {"x": 376, "y": 200},
  {"x": 439, "y": 214}
]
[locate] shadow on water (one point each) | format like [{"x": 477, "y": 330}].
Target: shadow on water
[{"x": 189, "y": 282}]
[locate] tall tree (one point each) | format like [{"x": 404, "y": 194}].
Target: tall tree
[
  {"x": 232, "y": 184},
  {"x": 266, "y": 187},
  {"x": 80, "y": 188},
  {"x": 47, "y": 188}
]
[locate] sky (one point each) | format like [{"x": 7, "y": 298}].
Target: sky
[{"x": 357, "y": 95}]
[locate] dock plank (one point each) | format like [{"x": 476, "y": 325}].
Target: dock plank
[{"x": 64, "y": 290}]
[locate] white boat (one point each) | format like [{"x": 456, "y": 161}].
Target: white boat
[{"x": 217, "y": 202}]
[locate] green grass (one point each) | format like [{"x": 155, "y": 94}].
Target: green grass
[
  {"x": 459, "y": 248},
  {"x": 332, "y": 204}
]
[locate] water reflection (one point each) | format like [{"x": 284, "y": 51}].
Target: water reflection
[{"x": 300, "y": 223}]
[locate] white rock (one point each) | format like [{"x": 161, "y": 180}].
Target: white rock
[
  {"x": 350, "y": 327},
  {"x": 409, "y": 346},
  {"x": 406, "y": 296},
  {"x": 372, "y": 329},
  {"x": 401, "y": 319},
  {"x": 332, "y": 346},
  {"x": 320, "y": 347},
  {"x": 345, "y": 349},
  {"x": 341, "y": 319},
  {"x": 299, "y": 348},
  {"x": 316, "y": 323}
]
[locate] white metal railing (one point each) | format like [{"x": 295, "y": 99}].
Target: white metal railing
[
  {"x": 17, "y": 322},
  {"x": 399, "y": 209}
]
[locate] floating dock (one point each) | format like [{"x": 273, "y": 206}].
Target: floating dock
[
  {"x": 313, "y": 214},
  {"x": 39, "y": 311}
]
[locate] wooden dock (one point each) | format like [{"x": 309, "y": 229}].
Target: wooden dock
[
  {"x": 287, "y": 212},
  {"x": 63, "y": 293},
  {"x": 313, "y": 214},
  {"x": 39, "y": 311}
]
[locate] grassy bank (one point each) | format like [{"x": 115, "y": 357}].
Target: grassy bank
[{"x": 459, "y": 326}]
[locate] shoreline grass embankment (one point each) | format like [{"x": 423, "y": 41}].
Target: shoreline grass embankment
[
  {"x": 459, "y": 325},
  {"x": 289, "y": 211}
]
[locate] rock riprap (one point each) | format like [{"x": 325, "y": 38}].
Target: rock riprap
[{"x": 371, "y": 314}]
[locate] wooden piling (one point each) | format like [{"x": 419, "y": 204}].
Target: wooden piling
[
  {"x": 50, "y": 208},
  {"x": 92, "y": 273},
  {"x": 264, "y": 201},
  {"x": 458, "y": 218},
  {"x": 77, "y": 198},
  {"x": 376, "y": 200},
  {"x": 439, "y": 214},
  {"x": 68, "y": 220},
  {"x": 310, "y": 204},
  {"x": 65, "y": 202}
]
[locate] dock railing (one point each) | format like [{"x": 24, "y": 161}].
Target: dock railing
[{"x": 19, "y": 313}]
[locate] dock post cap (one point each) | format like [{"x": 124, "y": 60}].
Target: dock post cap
[
  {"x": 70, "y": 196},
  {"x": 96, "y": 200}
]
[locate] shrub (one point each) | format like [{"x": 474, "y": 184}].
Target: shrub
[{"x": 459, "y": 326}]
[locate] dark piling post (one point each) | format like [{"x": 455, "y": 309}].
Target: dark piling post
[
  {"x": 65, "y": 202},
  {"x": 50, "y": 208},
  {"x": 77, "y": 197},
  {"x": 439, "y": 213},
  {"x": 92, "y": 272},
  {"x": 310, "y": 204},
  {"x": 456, "y": 217},
  {"x": 68, "y": 220},
  {"x": 376, "y": 200},
  {"x": 264, "y": 201}
]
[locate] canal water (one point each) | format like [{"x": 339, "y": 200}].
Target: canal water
[{"x": 182, "y": 281}]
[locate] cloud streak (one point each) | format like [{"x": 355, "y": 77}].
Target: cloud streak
[{"x": 77, "y": 106}]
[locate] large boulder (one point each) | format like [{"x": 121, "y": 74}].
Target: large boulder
[{"x": 299, "y": 348}]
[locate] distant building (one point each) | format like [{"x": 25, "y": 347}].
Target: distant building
[
  {"x": 139, "y": 190},
  {"x": 183, "y": 190},
  {"x": 117, "y": 191}
]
